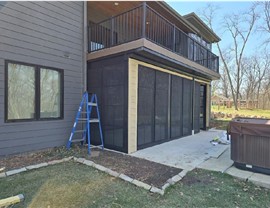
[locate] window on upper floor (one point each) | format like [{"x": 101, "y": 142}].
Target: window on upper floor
[{"x": 33, "y": 92}]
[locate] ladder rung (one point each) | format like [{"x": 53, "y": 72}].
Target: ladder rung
[
  {"x": 79, "y": 131},
  {"x": 77, "y": 140},
  {"x": 94, "y": 120},
  {"x": 82, "y": 119},
  {"x": 92, "y": 104}
]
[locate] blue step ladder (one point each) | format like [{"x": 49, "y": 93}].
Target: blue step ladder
[{"x": 83, "y": 117}]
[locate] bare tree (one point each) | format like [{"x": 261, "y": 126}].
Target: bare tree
[
  {"x": 265, "y": 26},
  {"x": 240, "y": 27},
  {"x": 225, "y": 84},
  {"x": 256, "y": 68}
]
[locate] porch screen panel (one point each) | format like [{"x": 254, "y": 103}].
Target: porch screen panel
[
  {"x": 161, "y": 106},
  {"x": 176, "y": 107},
  {"x": 197, "y": 108},
  {"x": 146, "y": 85},
  {"x": 187, "y": 107},
  {"x": 95, "y": 85},
  {"x": 107, "y": 78},
  {"x": 202, "y": 106},
  {"x": 113, "y": 106}
]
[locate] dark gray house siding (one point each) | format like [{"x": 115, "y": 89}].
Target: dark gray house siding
[{"x": 42, "y": 33}]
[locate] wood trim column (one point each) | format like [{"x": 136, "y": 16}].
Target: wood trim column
[
  {"x": 193, "y": 106},
  {"x": 132, "y": 105}
]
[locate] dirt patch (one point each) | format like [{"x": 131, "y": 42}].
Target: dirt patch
[
  {"x": 25, "y": 159},
  {"x": 143, "y": 170},
  {"x": 197, "y": 178}
]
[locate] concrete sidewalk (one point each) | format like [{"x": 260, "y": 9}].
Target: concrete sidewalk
[
  {"x": 196, "y": 151},
  {"x": 225, "y": 164}
]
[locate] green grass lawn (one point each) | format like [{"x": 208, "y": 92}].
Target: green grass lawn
[
  {"x": 222, "y": 123},
  {"x": 219, "y": 124},
  {"x": 75, "y": 185},
  {"x": 246, "y": 112}
]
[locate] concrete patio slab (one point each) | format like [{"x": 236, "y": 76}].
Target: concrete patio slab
[
  {"x": 220, "y": 164},
  {"x": 185, "y": 153}
]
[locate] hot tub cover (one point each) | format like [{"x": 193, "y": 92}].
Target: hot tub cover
[{"x": 250, "y": 126}]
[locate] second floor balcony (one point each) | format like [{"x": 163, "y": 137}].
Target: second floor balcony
[{"x": 145, "y": 22}]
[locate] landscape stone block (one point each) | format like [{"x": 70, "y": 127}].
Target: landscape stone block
[
  {"x": 183, "y": 173},
  {"x": 176, "y": 178},
  {"x": 67, "y": 159},
  {"x": 141, "y": 184},
  {"x": 31, "y": 167},
  {"x": 125, "y": 177},
  {"x": 79, "y": 160},
  {"x": 99, "y": 167},
  {"x": 53, "y": 162},
  {"x": 112, "y": 173},
  {"x": 16, "y": 171},
  {"x": 2, "y": 175},
  {"x": 170, "y": 181},
  {"x": 88, "y": 162},
  {"x": 166, "y": 185},
  {"x": 157, "y": 190}
]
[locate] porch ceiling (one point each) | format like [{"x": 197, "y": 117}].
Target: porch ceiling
[
  {"x": 99, "y": 11},
  {"x": 103, "y": 10}
]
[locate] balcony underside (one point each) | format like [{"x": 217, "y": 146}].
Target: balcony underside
[{"x": 145, "y": 48}]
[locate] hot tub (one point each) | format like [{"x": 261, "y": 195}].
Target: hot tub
[{"x": 250, "y": 144}]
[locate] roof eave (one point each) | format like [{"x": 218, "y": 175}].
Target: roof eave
[
  {"x": 192, "y": 15},
  {"x": 178, "y": 16}
]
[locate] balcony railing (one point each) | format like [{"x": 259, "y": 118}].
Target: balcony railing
[{"x": 144, "y": 22}]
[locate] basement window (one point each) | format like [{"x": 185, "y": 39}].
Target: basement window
[{"x": 33, "y": 92}]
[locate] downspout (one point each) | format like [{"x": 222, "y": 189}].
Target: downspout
[{"x": 85, "y": 50}]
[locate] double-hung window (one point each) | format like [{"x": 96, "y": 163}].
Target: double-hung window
[{"x": 33, "y": 92}]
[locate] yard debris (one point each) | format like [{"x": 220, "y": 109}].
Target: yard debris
[
  {"x": 11, "y": 200},
  {"x": 95, "y": 153},
  {"x": 217, "y": 189},
  {"x": 221, "y": 139}
]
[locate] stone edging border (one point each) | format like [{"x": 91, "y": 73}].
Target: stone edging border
[{"x": 84, "y": 161}]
